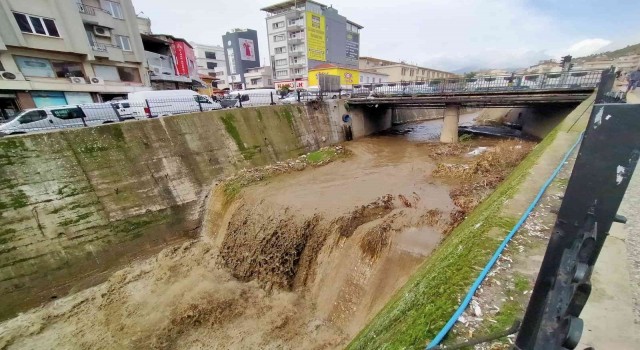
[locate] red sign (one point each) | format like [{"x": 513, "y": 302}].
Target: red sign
[{"x": 185, "y": 59}]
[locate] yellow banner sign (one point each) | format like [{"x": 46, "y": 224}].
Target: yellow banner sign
[{"x": 316, "y": 47}]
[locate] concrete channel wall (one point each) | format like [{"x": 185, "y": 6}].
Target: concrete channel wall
[{"x": 78, "y": 204}]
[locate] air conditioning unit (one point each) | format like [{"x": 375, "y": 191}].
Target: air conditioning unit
[
  {"x": 96, "y": 81},
  {"x": 4, "y": 75},
  {"x": 101, "y": 31},
  {"x": 77, "y": 80}
]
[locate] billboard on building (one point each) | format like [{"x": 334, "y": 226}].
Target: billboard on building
[
  {"x": 247, "y": 49},
  {"x": 353, "y": 48},
  {"x": 231, "y": 59},
  {"x": 316, "y": 37}
]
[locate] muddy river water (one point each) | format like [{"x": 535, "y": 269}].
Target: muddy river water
[{"x": 302, "y": 260}]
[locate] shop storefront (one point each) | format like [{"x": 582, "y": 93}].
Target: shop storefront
[{"x": 8, "y": 106}]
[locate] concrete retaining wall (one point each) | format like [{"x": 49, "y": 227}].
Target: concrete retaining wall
[
  {"x": 77, "y": 204},
  {"x": 407, "y": 115}
]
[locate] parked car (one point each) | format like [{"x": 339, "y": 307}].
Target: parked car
[
  {"x": 255, "y": 97},
  {"x": 57, "y": 117},
  {"x": 162, "y": 103},
  {"x": 305, "y": 96},
  {"x": 419, "y": 89},
  {"x": 388, "y": 90}
]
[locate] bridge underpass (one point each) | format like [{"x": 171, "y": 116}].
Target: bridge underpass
[{"x": 453, "y": 101}]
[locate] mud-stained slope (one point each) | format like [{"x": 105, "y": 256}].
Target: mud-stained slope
[{"x": 297, "y": 261}]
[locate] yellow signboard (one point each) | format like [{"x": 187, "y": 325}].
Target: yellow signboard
[
  {"x": 347, "y": 76},
  {"x": 316, "y": 47}
]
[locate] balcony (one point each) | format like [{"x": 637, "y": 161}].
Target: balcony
[
  {"x": 295, "y": 41},
  {"x": 294, "y": 13},
  {"x": 91, "y": 10},
  {"x": 296, "y": 52},
  {"x": 297, "y": 65},
  {"x": 294, "y": 28},
  {"x": 98, "y": 47}
]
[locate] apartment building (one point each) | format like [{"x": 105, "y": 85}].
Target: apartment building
[
  {"x": 210, "y": 60},
  {"x": 401, "y": 71},
  {"x": 305, "y": 34},
  {"x": 67, "y": 51},
  {"x": 259, "y": 78},
  {"x": 241, "y": 53}
]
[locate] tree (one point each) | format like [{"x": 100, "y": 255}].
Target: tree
[{"x": 469, "y": 75}]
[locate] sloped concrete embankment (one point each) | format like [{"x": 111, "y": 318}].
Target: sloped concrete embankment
[
  {"x": 77, "y": 204},
  {"x": 421, "y": 308}
]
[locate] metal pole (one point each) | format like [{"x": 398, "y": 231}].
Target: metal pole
[
  {"x": 298, "y": 91},
  {"x": 199, "y": 103}
]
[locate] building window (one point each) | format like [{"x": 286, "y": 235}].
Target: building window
[
  {"x": 278, "y": 25},
  {"x": 123, "y": 42},
  {"x": 279, "y": 37},
  {"x": 404, "y": 71},
  {"x": 255, "y": 81},
  {"x": 281, "y": 73},
  {"x": 211, "y": 65},
  {"x": 282, "y": 49},
  {"x": 36, "y": 25},
  {"x": 113, "y": 73},
  {"x": 67, "y": 69},
  {"x": 212, "y": 74},
  {"x": 114, "y": 8},
  {"x": 411, "y": 71},
  {"x": 282, "y": 62},
  {"x": 210, "y": 55},
  {"x": 298, "y": 71},
  {"x": 35, "y": 67}
]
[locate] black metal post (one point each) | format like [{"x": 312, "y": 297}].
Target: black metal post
[
  {"x": 115, "y": 109},
  {"x": 298, "y": 91},
  {"x": 199, "y": 103},
  {"x": 146, "y": 102},
  {"x": 271, "y": 93}
]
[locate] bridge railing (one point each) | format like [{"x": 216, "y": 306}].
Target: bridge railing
[{"x": 480, "y": 84}]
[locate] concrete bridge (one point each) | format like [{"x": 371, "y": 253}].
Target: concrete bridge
[{"x": 487, "y": 91}]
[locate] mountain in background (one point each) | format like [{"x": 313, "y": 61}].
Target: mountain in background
[{"x": 629, "y": 50}]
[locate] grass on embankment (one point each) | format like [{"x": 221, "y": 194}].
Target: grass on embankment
[{"x": 422, "y": 307}]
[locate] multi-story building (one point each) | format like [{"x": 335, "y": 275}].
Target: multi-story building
[
  {"x": 545, "y": 66},
  {"x": 401, "y": 71},
  {"x": 259, "y": 78},
  {"x": 304, "y": 34},
  {"x": 61, "y": 52},
  {"x": 241, "y": 53},
  {"x": 210, "y": 60}
]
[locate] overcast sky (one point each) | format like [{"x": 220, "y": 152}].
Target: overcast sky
[{"x": 442, "y": 34}]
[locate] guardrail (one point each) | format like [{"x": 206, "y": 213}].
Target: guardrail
[
  {"x": 480, "y": 84},
  {"x": 86, "y": 115}
]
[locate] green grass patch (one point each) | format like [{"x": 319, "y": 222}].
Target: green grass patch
[
  {"x": 322, "y": 155},
  {"x": 287, "y": 115},
  {"x": 135, "y": 227},
  {"x": 521, "y": 283},
  {"x": 509, "y": 312},
  {"x": 423, "y": 305},
  {"x": 17, "y": 199},
  {"x": 259, "y": 115}
]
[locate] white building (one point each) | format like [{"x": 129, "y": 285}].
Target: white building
[
  {"x": 371, "y": 76},
  {"x": 303, "y": 34},
  {"x": 211, "y": 61},
  {"x": 259, "y": 78}
]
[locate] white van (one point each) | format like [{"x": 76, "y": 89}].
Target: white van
[
  {"x": 162, "y": 103},
  {"x": 58, "y": 117},
  {"x": 255, "y": 97}
]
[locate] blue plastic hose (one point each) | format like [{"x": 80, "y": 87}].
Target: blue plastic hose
[{"x": 467, "y": 299}]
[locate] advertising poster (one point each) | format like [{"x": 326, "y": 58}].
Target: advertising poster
[
  {"x": 247, "y": 50},
  {"x": 353, "y": 48},
  {"x": 316, "y": 42}
]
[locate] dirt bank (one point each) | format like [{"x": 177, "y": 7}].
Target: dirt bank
[{"x": 300, "y": 260}]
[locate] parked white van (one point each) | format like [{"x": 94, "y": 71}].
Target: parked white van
[
  {"x": 150, "y": 104},
  {"x": 255, "y": 97},
  {"x": 58, "y": 117}
]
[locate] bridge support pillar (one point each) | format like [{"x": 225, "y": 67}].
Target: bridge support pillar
[{"x": 449, "y": 133}]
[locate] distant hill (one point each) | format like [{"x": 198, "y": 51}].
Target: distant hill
[{"x": 629, "y": 50}]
